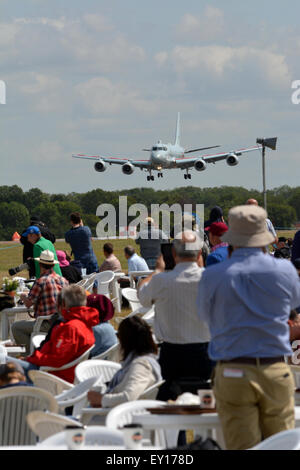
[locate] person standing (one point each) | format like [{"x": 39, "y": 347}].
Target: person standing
[
  {"x": 246, "y": 301},
  {"x": 184, "y": 338},
  {"x": 80, "y": 239},
  {"x": 40, "y": 244},
  {"x": 150, "y": 239}
]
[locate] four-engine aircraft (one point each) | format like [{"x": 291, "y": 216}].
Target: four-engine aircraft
[{"x": 168, "y": 156}]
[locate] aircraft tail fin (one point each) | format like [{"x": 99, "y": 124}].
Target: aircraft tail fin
[{"x": 177, "y": 136}]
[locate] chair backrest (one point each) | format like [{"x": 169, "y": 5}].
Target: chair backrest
[
  {"x": 130, "y": 294},
  {"x": 45, "y": 424},
  {"x": 111, "y": 354},
  {"x": 151, "y": 392},
  {"x": 53, "y": 384},
  {"x": 104, "y": 280},
  {"x": 88, "y": 282},
  {"x": 285, "y": 440},
  {"x": 122, "y": 414},
  {"x": 76, "y": 361},
  {"x": 15, "y": 404},
  {"x": 94, "y": 435},
  {"x": 96, "y": 368}
]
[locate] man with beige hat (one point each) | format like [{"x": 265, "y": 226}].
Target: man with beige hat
[
  {"x": 42, "y": 297},
  {"x": 246, "y": 301}
]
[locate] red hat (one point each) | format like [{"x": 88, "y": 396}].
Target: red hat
[
  {"x": 217, "y": 228},
  {"x": 103, "y": 304}
]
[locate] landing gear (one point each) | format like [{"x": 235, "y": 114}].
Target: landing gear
[
  {"x": 187, "y": 175},
  {"x": 150, "y": 178},
  {"x": 159, "y": 175}
]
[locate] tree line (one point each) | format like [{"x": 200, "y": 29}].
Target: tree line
[{"x": 16, "y": 205}]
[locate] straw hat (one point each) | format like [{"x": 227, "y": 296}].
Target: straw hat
[{"x": 47, "y": 257}]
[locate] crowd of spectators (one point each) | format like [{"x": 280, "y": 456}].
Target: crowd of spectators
[{"x": 225, "y": 316}]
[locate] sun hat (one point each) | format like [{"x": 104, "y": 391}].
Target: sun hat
[
  {"x": 30, "y": 230},
  {"x": 247, "y": 227},
  {"x": 217, "y": 228},
  {"x": 47, "y": 257},
  {"x": 62, "y": 258},
  {"x": 103, "y": 304}
]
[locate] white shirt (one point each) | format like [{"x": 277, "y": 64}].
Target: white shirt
[{"x": 174, "y": 294}]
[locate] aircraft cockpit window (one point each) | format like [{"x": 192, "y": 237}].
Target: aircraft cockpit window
[
  {"x": 165, "y": 149},
  {"x": 154, "y": 149}
]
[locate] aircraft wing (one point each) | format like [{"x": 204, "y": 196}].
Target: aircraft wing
[
  {"x": 189, "y": 162},
  {"x": 116, "y": 160}
]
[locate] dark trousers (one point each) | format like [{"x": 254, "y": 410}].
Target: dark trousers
[{"x": 183, "y": 363}]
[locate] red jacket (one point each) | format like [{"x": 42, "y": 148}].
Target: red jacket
[{"x": 69, "y": 340}]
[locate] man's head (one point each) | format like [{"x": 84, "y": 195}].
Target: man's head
[
  {"x": 73, "y": 296},
  {"x": 281, "y": 242},
  {"x": 247, "y": 227},
  {"x": 46, "y": 260},
  {"x": 108, "y": 249},
  {"x": 215, "y": 231},
  {"x": 75, "y": 218},
  {"x": 251, "y": 202},
  {"x": 187, "y": 246},
  {"x": 32, "y": 233},
  {"x": 129, "y": 251}
]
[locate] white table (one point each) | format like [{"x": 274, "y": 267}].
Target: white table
[
  {"x": 88, "y": 413},
  {"x": 133, "y": 274},
  {"x": 8, "y": 314},
  {"x": 116, "y": 292},
  {"x": 206, "y": 424}
]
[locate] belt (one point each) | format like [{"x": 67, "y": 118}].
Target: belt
[{"x": 256, "y": 361}]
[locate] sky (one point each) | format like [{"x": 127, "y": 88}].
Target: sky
[{"x": 108, "y": 78}]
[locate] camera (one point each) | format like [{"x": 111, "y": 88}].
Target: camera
[{"x": 17, "y": 269}]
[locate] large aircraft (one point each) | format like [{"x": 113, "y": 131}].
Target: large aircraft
[{"x": 168, "y": 156}]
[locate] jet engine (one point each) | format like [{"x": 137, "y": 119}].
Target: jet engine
[
  {"x": 127, "y": 168},
  {"x": 100, "y": 166},
  {"x": 232, "y": 159},
  {"x": 200, "y": 165}
]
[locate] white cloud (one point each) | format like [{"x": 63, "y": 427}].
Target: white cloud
[
  {"x": 218, "y": 60},
  {"x": 102, "y": 96},
  {"x": 98, "y": 23},
  {"x": 206, "y": 27}
]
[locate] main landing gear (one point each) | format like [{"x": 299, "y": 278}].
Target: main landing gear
[
  {"x": 159, "y": 175},
  {"x": 150, "y": 177},
  {"x": 187, "y": 175}
]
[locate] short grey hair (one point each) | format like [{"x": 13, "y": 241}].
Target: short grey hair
[
  {"x": 187, "y": 249},
  {"x": 74, "y": 296}
]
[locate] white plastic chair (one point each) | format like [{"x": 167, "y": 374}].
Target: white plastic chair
[
  {"x": 123, "y": 414},
  {"x": 94, "y": 435},
  {"x": 88, "y": 282},
  {"x": 15, "y": 404},
  {"x": 53, "y": 384},
  {"x": 285, "y": 440},
  {"x": 96, "y": 368},
  {"x": 36, "y": 340},
  {"x": 111, "y": 354},
  {"x": 76, "y": 396},
  {"x": 104, "y": 279},
  {"x": 76, "y": 361},
  {"x": 151, "y": 392},
  {"x": 130, "y": 294},
  {"x": 44, "y": 424}
]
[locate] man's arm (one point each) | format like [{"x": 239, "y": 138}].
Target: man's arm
[{"x": 159, "y": 268}]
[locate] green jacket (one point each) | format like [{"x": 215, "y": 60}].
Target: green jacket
[{"x": 38, "y": 247}]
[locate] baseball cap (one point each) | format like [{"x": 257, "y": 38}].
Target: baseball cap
[
  {"x": 217, "y": 228},
  {"x": 31, "y": 229}
]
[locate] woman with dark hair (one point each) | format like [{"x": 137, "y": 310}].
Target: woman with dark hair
[
  {"x": 105, "y": 335},
  {"x": 140, "y": 368},
  {"x": 11, "y": 375}
]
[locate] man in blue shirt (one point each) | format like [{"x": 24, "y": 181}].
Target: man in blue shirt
[
  {"x": 219, "y": 249},
  {"x": 135, "y": 262},
  {"x": 80, "y": 239},
  {"x": 246, "y": 301}
]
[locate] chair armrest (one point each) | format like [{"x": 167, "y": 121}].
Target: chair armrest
[{"x": 39, "y": 321}]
